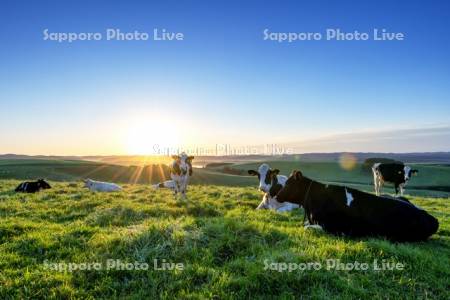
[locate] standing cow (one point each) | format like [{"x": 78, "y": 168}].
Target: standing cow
[
  {"x": 180, "y": 171},
  {"x": 396, "y": 173}
]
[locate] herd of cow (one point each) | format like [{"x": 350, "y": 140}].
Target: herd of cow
[{"x": 336, "y": 209}]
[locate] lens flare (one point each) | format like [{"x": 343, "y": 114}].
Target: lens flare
[{"x": 347, "y": 161}]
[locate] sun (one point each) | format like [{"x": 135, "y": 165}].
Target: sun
[{"x": 145, "y": 137}]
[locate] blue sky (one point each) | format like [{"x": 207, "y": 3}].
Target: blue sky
[{"x": 223, "y": 83}]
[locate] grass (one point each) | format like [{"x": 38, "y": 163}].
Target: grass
[{"x": 217, "y": 234}]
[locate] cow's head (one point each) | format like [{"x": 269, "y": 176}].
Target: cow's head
[
  {"x": 88, "y": 183},
  {"x": 265, "y": 176},
  {"x": 184, "y": 162},
  {"x": 408, "y": 172},
  {"x": 43, "y": 184},
  {"x": 294, "y": 189}
]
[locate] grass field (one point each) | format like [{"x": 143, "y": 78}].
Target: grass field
[{"x": 218, "y": 236}]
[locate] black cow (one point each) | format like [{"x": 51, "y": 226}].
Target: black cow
[
  {"x": 396, "y": 173},
  {"x": 343, "y": 210},
  {"x": 32, "y": 186}
]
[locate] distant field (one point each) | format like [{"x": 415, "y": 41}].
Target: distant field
[{"x": 433, "y": 180}]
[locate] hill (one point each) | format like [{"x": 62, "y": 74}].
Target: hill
[
  {"x": 433, "y": 179},
  {"x": 202, "y": 160},
  {"x": 226, "y": 247}
]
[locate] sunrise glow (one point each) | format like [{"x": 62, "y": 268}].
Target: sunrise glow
[{"x": 145, "y": 136}]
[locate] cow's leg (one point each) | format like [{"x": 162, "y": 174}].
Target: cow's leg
[
  {"x": 402, "y": 187},
  {"x": 184, "y": 187},
  {"x": 381, "y": 184},
  {"x": 375, "y": 182},
  {"x": 378, "y": 185},
  {"x": 396, "y": 188},
  {"x": 176, "y": 184},
  {"x": 177, "y": 188},
  {"x": 314, "y": 226}
]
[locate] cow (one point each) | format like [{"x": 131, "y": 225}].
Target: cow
[
  {"x": 396, "y": 173},
  {"x": 270, "y": 182},
  {"x": 32, "y": 186},
  {"x": 180, "y": 170},
  {"x": 343, "y": 210},
  {"x": 99, "y": 186}
]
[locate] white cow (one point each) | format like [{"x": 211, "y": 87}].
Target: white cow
[
  {"x": 180, "y": 171},
  {"x": 270, "y": 182},
  {"x": 269, "y": 202},
  {"x": 99, "y": 186}
]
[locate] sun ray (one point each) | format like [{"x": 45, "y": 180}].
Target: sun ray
[{"x": 91, "y": 172}]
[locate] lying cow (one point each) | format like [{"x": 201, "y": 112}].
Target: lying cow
[
  {"x": 343, "y": 210},
  {"x": 32, "y": 186},
  {"x": 99, "y": 186},
  {"x": 270, "y": 182},
  {"x": 396, "y": 173},
  {"x": 180, "y": 171}
]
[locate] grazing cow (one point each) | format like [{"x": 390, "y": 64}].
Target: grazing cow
[
  {"x": 33, "y": 186},
  {"x": 343, "y": 210},
  {"x": 99, "y": 186},
  {"x": 270, "y": 182},
  {"x": 180, "y": 171},
  {"x": 396, "y": 173}
]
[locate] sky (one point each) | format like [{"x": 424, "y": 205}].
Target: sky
[{"x": 223, "y": 83}]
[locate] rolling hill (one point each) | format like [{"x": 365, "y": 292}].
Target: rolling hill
[{"x": 433, "y": 179}]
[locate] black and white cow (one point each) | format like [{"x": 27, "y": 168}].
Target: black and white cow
[
  {"x": 180, "y": 171},
  {"x": 343, "y": 210},
  {"x": 32, "y": 186},
  {"x": 270, "y": 182},
  {"x": 396, "y": 173}
]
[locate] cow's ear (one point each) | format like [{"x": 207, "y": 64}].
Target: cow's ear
[
  {"x": 190, "y": 157},
  {"x": 297, "y": 174},
  {"x": 84, "y": 180},
  {"x": 414, "y": 172},
  {"x": 275, "y": 172},
  {"x": 175, "y": 157},
  {"x": 252, "y": 172}
]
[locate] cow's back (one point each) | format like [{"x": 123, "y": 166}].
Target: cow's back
[
  {"x": 370, "y": 215},
  {"x": 396, "y": 219},
  {"x": 392, "y": 172}
]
